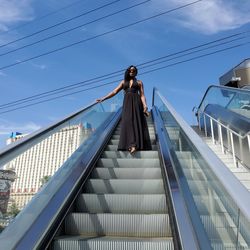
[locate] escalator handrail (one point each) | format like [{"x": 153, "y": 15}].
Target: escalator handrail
[
  {"x": 33, "y": 136},
  {"x": 221, "y": 87},
  {"x": 183, "y": 231},
  {"x": 33, "y": 224},
  {"x": 237, "y": 191}
]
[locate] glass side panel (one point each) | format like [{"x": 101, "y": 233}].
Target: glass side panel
[
  {"x": 30, "y": 166},
  {"x": 225, "y": 225},
  {"x": 229, "y": 98}
]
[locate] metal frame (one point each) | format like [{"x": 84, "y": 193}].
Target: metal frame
[
  {"x": 230, "y": 131},
  {"x": 36, "y": 234}
]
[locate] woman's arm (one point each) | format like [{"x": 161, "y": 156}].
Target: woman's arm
[{"x": 111, "y": 94}]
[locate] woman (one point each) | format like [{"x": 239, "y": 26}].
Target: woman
[{"x": 134, "y": 130}]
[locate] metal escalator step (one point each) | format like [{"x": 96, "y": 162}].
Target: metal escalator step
[
  {"x": 117, "y": 136},
  {"x": 125, "y": 225},
  {"x": 114, "y": 147},
  {"x": 128, "y": 163},
  {"x": 112, "y": 243},
  {"x": 150, "y": 130},
  {"x": 122, "y": 203},
  {"x": 115, "y": 142},
  {"x": 126, "y": 173},
  {"x": 125, "y": 154},
  {"x": 123, "y": 186}
]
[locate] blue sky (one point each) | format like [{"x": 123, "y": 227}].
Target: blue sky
[{"x": 183, "y": 85}]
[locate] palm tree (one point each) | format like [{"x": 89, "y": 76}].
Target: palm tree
[{"x": 45, "y": 179}]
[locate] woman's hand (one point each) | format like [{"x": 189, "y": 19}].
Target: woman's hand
[
  {"x": 145, "y": 111},
  {"x": 99, "y": 100}
]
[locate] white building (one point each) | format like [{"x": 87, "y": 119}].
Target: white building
[{"x": 42, "y": 160}]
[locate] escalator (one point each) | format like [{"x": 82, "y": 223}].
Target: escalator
[
  {"x": 224, "y": 117},
  {"x": 176, "y": 196},
  {"x": 122, "y": 204}
]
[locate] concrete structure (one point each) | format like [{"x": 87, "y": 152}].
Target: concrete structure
[
  {"x": 238, "y": 77},
  {"x": 42, "y": 161}
]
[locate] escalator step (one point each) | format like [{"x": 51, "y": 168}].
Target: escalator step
[
  {"x": 109, "y": 243},
  {"x": 117, "y": 136},
  {"x": 128, "y": 163},
  {"x": 125, "y": 225},
  {"x": 124, "y": 186},
  {"x": 114, "y": 148},
  {"x": 126, "y": 173},
  {"x": 121, "y": 203},
  {"x": 115, "y": 142},
  {"x": 125, "y": 154}
]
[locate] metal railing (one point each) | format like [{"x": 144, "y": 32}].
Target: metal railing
[{"x": 229, "y": 131}]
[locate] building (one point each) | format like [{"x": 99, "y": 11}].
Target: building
[
  {"x": 42, "y": 160},
  {"x": 238, "y": 76},
  {"x": 6, "y": 179}
]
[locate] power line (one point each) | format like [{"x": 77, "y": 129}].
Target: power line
[
  {"x": 146, "y": 72},
  {"x": 116, "y": 73},
  {"x": 57, "y": 97},
  {"x": 42, "y": 17},
  {"x": 60, "y": 23},
  {"x": 74, "y": 28},
  {"x": 99, "y": 35},
  {"x": 197, "y": 57},
  {"x": 199, "y": 50}
]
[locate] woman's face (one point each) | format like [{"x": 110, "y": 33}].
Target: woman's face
[{"x": 132, "y": 72}]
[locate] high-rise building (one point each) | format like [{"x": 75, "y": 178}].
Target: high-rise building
[
  {"x": 42, "y": 160},
  {"x": 6, "y": 179}
]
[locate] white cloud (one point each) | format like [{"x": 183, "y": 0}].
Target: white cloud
[
  {"x": 7, "y": 127},
  {"x": 13, "y": 11},
  {"x": 209, "y": 16},
  {"x": 39, "y": 66}
]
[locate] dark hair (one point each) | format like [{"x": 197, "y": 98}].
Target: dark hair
[{"x": 127, "y": 76}]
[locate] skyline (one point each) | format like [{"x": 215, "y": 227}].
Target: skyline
[{"x": 182, "y": 84}]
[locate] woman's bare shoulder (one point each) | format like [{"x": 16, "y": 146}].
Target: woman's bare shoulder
[{"x": 140, "y": 82}]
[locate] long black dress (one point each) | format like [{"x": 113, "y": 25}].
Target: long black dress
[{"x": 134, "y": 129}]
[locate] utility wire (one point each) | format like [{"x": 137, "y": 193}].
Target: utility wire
[
  {"x": 190, "y": 53},
  {"x": 99, "y": 35},
  {"x": 57, "y": 97},
  {"x": 143, "y": 73},
  {"x": 42, "y": 17},
  {"x": 197, "y": 57},
  {"x": 58, "y": 24},
  {"x": 74, "y": 28},
  {"x": 113, "y": 74}
]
